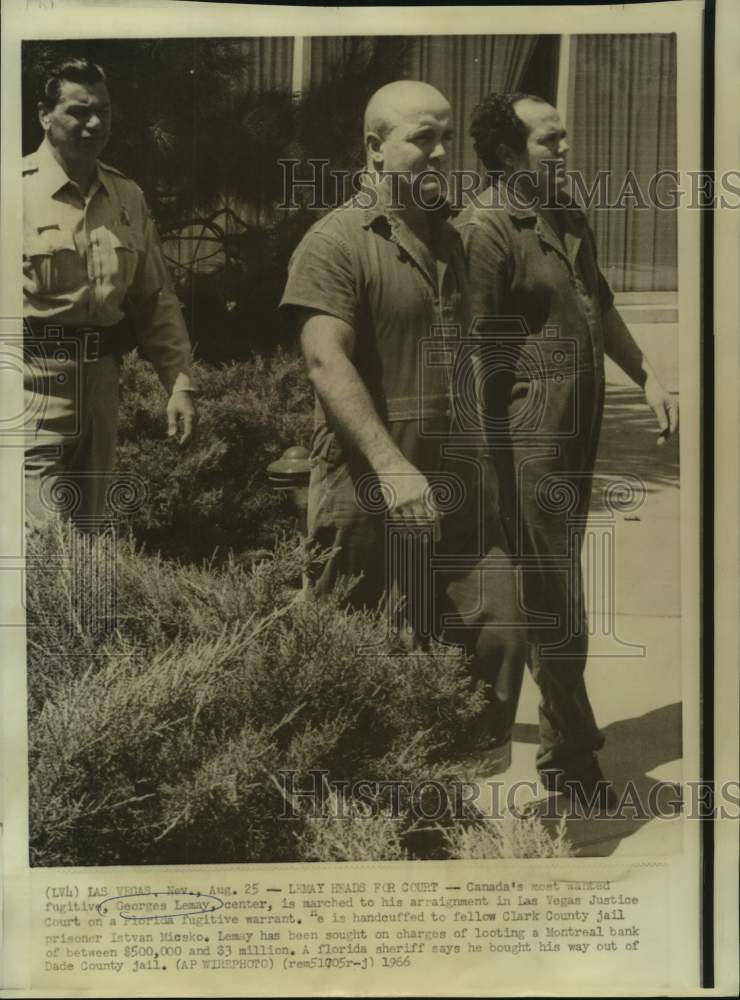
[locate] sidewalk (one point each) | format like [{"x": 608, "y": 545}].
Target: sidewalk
[{"x": 634, "y": 669}]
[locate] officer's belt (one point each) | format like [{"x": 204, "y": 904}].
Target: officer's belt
[{"x": 96, "y": 342}]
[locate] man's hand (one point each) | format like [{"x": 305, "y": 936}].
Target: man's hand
[
  {"x": 622, "y": 348},
  {"x": 180, "y": 408},
  {"x": 663, "y": 405},
  {"x": 328, "y": 345},
  {"x": 408, "y": 493}
]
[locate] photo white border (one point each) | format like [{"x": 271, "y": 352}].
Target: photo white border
[{"x": 53, "y": 19}]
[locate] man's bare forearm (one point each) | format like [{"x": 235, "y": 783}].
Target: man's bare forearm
[
  {"x": 622, "y": 348},
  {"x": 350, "y": 408}
]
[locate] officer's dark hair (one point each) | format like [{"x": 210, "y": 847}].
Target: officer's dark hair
[
  {"x": 495, "y": 122},
  {"x": 75, "y": 70}
]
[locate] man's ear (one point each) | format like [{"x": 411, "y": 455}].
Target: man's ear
[
  {"x": 373, "y": 149},
  {"x": 43, "y": 116},
  {"x": 505, "y": 155}
]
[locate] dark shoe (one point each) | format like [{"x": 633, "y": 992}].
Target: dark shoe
[
  {"x": 585, "y": 787},
  {"x": 495, "y": 757},
  {"x": 484, "y": 744}
]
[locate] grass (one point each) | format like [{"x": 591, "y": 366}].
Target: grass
[
  {"x": 213, "y": 496},
  {"x": 161, "y": 740},
  {"x": 161, "y": 734},
  {"x": 510, "y": 837}
]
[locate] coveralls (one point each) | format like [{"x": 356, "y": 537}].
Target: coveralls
[
  {"x": 408, "y": 306},
  {"x": 539, "y": 298},
  {"x": 87, "y": 261}
]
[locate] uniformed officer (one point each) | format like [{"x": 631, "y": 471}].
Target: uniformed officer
[
  {"x": 379, "y": 293},
  {"x": 535, "y": 281},
  {"x": 91, "y": 262}
]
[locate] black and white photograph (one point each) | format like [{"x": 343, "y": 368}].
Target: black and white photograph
[
  {"x": 238, "y": 641},
  {"x": 358, "y": 471}
]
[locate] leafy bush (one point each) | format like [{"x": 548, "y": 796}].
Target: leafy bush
[
  {"x": 214, "y": 493},
  {"x": 203, "y": 129},
  {"x": 352, "y": 831},
  {"x": 161, "y": 740},
  {"x": 511, "y": 837}
]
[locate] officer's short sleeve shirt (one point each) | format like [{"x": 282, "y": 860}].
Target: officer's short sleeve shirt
[{"x": 88, "y": 260}]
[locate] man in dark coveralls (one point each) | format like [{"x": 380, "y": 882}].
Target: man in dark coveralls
[
  {"x": 371, "y": 285},
  {"x": 531, "y": 257}
]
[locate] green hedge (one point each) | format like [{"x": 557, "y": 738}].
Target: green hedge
[
  {"x": 213, "y": 495},
  {"x": 161, "y": 742}
]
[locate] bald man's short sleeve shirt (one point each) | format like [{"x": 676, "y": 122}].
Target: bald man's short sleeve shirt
[
  {"x": 405, "y": 304},
  {"x": 408, "y": 307}
]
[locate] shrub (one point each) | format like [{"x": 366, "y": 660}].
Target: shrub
[
  {"x": 161, "y": 741},
  {"x": 213, "y": 494},
  {"x": 511, "y": 837},
  {"x": 352, "y": 831},
  {"x": 203, "y": 130}
]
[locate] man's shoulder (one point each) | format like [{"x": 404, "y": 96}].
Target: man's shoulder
[
  {"x": 30, "y": 165},
  {"x": 577, "y": 215},
  {"x": 489, "y": 207},
  {"x": 340, "y": 228},
  {"x": 113, "y": 170},
  {"x": 118, "y": 177},
  {"x": 489, "y": 221},
  {"x": 342, "y": 220}
]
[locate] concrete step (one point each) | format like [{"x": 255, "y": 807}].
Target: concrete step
[
  {"x": 647, "y": 307},
  {"x": 659, "y": 341},
  {"x": 645, "y": 313},
  {"x": 636, "y": 298},
  {"x": 635, "y": 649}
]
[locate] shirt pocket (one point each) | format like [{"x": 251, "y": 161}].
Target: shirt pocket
[
  {"x": 129, "y": 247},
  {"x": 54, "y": 261},
  {"x": 114, "y": 259},
  {"x": 326, "y": 449}
]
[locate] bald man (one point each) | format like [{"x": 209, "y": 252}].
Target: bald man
[{"x": 372, "y": 286}]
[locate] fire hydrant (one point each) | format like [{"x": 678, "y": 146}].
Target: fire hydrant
[{"x": 290, "y": 474}]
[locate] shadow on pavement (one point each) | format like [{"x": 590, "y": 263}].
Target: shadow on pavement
[
  {"x": 633, "y": 748},
  {"x": 628, "y": 444}
]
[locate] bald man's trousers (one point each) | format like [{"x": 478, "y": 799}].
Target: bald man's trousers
[{"x": 461, "y": 586}]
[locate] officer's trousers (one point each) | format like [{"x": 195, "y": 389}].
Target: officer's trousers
[{"x": 71, "y": 423}]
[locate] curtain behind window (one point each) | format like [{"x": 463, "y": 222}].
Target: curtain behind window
[
  {"x": 267, "y": 68},
  {"x": 465, "y": 68},
  {"x": 329, "y": 54},
  {"x": 269, "y": 63},
  {"x": 623, "y": 117}
]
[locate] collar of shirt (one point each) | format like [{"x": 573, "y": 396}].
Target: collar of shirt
[
  {"x": 566, "y": 242},
  {"x": 433, "y": 258},
  {"x": 500, "y": 196},
  {"x": 382, "y": 202},
  {"x": 53, "y": 177}
]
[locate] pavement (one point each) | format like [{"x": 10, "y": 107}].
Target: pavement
[{"x": 634, "y": 603}]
